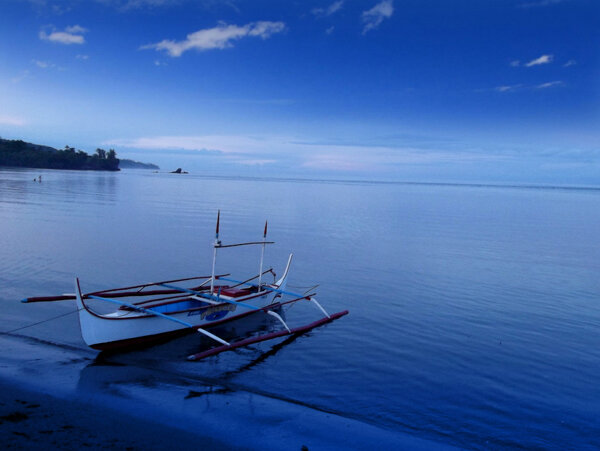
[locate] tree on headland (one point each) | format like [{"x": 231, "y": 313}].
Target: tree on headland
[
  {"x": 106, "y": 160},
  {"x": 101, "y": 153}
]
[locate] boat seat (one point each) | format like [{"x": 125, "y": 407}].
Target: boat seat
[{"x": 234, "y": 292}]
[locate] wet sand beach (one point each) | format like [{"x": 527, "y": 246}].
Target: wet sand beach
[
  {"x": 33, "y": 420},
  {"x": 57, "y": 396}
]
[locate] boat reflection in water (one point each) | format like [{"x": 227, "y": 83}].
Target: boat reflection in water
[{"x": 161, "y": 364}]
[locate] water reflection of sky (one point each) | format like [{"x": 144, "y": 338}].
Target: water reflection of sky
[{"x": 473, "y": 310}]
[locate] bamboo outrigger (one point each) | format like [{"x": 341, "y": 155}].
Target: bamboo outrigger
[{"x": 157, "y": 310}]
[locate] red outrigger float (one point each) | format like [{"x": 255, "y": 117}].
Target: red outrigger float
[{"x": 158, "y": 310}]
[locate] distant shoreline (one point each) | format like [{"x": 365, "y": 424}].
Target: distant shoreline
[{"x": 21, "y": 154}]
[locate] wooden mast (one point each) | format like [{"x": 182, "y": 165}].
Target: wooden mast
[
  {"x": 262, "y": 257},
  {"x": 216, "y": 245}
]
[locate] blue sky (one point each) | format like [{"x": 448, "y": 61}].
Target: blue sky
[{"x": 415, "y": 90}]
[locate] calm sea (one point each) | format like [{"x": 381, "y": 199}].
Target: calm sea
[{"x": 474, "y": 310}]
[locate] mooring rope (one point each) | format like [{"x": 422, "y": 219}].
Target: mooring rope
[
  {"x": 305, "y": 288},
  {"x": 8, "y": 332}
]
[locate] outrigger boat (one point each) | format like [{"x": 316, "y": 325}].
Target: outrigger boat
[{"x": 158, "y": 310}]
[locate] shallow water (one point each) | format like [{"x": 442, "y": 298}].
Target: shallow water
[{"x": 474, "y": 310}]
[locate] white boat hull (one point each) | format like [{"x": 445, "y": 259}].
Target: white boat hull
[
  {"x": 128, "y": 328},
  {"x": 136, "y": 325}
]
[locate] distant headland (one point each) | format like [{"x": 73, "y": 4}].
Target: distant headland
[
  {"x": 18, "y": 153},
  {"x": 130, "y": 164}
]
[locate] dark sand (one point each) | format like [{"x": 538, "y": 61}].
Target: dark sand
[
  {"x": 58, "y": 396},
  {"x": 30, "y": 420}
]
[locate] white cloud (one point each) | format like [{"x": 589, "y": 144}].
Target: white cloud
[
  {"x": 45, "y": 7},
  {"x": 570, "y": 63},
  {"x": 540, "y": 3},
  {"x": 282, "y": 101},
  {"x": 331, "y": 9},
  {"x": 515, "y": 63},
  {"x": 225, "y": 144},
  {"x": 82, "y": 57},
  {"x": 382, "y": 158},
  {"x": 374, "y": 16},
  {"x": 264, "y": 29},
  {"x": 12, "y": 121},
  {"x": 46, "y": 65},
  {"x": 550, "y": 84},
  {"x": 143, "y": 3},
  {"x": 544, "y": 59},
  {"x": 25, "y": 74},
  {"x": 138, "y": 4},
  {"x": 219, "y": 37},
  {"x": 71, "y": 35},
  {"x": 254, "y": 162},
  {"x": 507, "y": 88},
  {"x": 272, "y": 149},
  {"x": 75, "y": 29},
  {"x": 42, "y": 64},
  {"x": 521, "y": 87}
]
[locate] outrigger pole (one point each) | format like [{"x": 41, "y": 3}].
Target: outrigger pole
[
  {"x": 248, "y": 341},
  {"x": 212, "y": 299}
]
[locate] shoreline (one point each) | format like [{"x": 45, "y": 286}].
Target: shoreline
[
  {"x": 46, "y": 387},
  {"x": 30, "y": 419}
]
